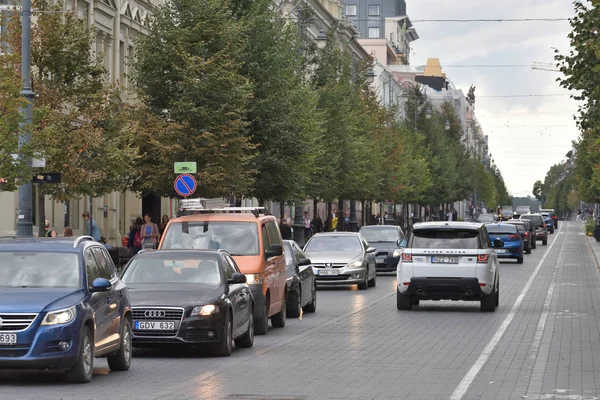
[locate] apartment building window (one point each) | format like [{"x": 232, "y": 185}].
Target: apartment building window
[
  {"x": 351, "y": 10},
  {"x": 373, "y": 33},
  {"x": 374, "y": 10}
]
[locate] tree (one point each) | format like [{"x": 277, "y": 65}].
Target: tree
[
  {"x": 189, "y": 71},
  {"x": 77, "y": 126},
  {"x": 580, "y": 67},
  {"x": 538, "y": 191},
  {"x": 284, "y": 123}
]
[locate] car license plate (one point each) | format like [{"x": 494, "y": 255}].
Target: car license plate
[
  {"x": 328, "y": 272},
  {"x": 381, "y": 260},
  {"x": 8, "y": 338},
  {"x": 155, "y": 325},
  {"x": 444, "y": 260},
  {"x": 501, "y": 251}
]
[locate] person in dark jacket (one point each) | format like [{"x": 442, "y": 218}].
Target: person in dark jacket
[
  {"x": 318, "y": 224},
  {"x": 285, "y": 229},
  {"x": 133, "y": 230},
  {"x": 327, "y": 226}
]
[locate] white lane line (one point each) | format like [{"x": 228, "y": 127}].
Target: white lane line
[{"x": 468, "y": 379}]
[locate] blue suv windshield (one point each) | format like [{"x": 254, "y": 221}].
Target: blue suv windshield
[{"x": 39, "y": 269}]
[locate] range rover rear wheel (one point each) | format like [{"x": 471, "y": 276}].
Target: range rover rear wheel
[{"x": 488, "y": 302}]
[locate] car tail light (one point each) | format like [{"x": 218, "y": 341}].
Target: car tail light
[
  {"x": 514, "y": 237},
  {"x": 527, "y": 234},
  {"x": 483, "y": 258},
  {"x": 482, "y": 284},
  {"x": 406, "y": 257}
]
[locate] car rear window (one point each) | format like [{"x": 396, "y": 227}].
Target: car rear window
[
  {"x": 444, "y": 239},
  {"x": 237, "y": 238},
  {"x": 536, "y": 219},
  {"x": 500, "y": 229},
  {"x": 39, "y": 269}
]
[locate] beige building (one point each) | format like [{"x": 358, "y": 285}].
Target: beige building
[{"x": 116, "y": 24}]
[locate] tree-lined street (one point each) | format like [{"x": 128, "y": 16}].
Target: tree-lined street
[{"x": 541, "y": 343}]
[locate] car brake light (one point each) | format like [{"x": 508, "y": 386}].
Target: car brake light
[
  {"x": 483, "y": 258},
  {"x": 513, "y": 236},
  {"x": 482, "y": 284},
  {"x": 406, "y": 257},
  {"x": 527, "y": 234}
]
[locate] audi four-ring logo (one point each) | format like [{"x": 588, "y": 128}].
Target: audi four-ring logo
[{"x": 155, "y": 313}]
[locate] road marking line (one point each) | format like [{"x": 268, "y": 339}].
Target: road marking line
[
  {"x": 542, "y": 359},
  {"x": 468, "y": 379}
]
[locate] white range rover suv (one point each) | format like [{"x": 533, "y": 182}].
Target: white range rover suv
[{"x": 449, "y": 261}]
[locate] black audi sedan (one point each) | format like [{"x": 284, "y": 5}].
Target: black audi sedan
[
  {"x": 388, "y": 240},
  {"x": 191, "y": 297}
]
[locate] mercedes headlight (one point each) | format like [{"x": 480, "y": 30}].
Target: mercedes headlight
[
  {"x": 60, "y": 316},
  {"x": 355, "y": 264},
  {"x": 397, "y": 253},
  {"x": 253, "y": 279},
  {"x": 208, "y": 309}
]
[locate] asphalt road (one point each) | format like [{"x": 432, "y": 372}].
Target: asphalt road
[{"x": 543, "y": 342}]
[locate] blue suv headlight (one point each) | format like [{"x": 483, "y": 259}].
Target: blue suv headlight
[{"x": 59, "y": 317}]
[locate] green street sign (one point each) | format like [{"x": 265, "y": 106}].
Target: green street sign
[{"x": 188, "y": 167}]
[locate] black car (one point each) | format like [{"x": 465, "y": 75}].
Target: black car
[
  {"x": 526, "y": 231},
  {"x": 189, "y": 297},
  {"x": 301, "y": 284},
  {"x": 387, "y": 240}
]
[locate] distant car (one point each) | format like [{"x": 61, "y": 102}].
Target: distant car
[
  {"x": 449, "y": 260},
  {"x": 521, "y": 210},
  {"x": 342, "y": 258},
  {"x": 513, "y": 242},
  {"x": 190, "y": 297},
  {"x": 552, "y": 214},
  {"x": 387, "y": 240},
  {"x": 541, "y": 231},
  {"x": 486, "y": 218},
  {"x": 507, "y": 212},
  {"x": 527, "y": 233},
  {"x": 62, "y": 305},
  {"x": 549, "y": 222},
  {"x": 301, "y": 283}
]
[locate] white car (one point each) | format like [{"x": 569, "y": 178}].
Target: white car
[{"x": 449, "y": 261}]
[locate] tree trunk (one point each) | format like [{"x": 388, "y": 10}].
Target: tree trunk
[
  {"x": 281, "y": 209},
  {"x": 315, "y": 205},
  {"x": 41, "y": 210}
]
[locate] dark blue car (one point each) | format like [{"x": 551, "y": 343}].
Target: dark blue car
[
  {"x": 549, "y": 222},
  {"x": 513, "y": 242},
  {"x": 62, "y": 304}
]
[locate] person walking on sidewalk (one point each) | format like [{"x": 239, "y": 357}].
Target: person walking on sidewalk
[
  {"x": 150, "y": 233},
  {"x": 307, "y": 225},
  {"x": 90, "y": 221},
  {"x": 317, "y": 224},
  {"x": 134, "y": 243},
  {"x": 285, "y": 229}
]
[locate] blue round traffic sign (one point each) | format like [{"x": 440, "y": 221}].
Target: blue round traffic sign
[{"x": 185, "y": 185}]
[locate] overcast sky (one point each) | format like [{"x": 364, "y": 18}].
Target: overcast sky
[{"x": 526, "y": 135}]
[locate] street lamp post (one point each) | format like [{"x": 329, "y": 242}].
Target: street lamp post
[{"x": 25, "y": 195}]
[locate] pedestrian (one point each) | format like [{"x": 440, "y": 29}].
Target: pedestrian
[
  {"x": 449, "y": 215},
  {"x": 149, "y": 233},
  {"x": 105, "y": 243},
  {"x": 47, "y": 231},
  {"x": 334, "y": 221},
  {"x": 373, "y": 219},
  {"x": 285, "y": 229},
  {"x": 327, "y": 227},
  {"x": 68, "y": 232},
  {"x": 163, "y": 224},
  {"x": 317, "y": 224},
  {"x": 90, "y": 221},
  {"x": 134, "y": 244},
  {"x": 307, "y": 225}
]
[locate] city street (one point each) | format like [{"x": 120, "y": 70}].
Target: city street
[{"x": 543, "y": 342}]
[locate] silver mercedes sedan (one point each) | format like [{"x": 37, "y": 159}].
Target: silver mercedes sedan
[{"x": 342, "y": 258}]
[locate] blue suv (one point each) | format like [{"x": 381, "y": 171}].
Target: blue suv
[{"x": 62, "y": 304}]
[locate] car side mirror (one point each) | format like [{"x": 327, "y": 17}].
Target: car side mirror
[
  {"x": 402, "y": 243},
  {"x": 101, "y": 285},
  {"x": 276, "y": 250},
  {"x": 371, "y": 250},
  {"x": 304, "y": 261},
  {"x": 236, "y": 278},
  {"x": 498, "y": 243}
]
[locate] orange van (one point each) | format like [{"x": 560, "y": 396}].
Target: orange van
[{"x": 254, "y": 241}]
